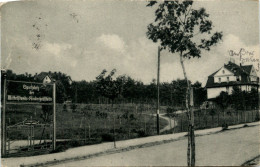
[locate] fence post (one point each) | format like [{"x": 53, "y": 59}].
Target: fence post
[{"x": 181, "y": 123}]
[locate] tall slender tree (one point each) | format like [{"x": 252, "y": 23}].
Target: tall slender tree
[
  {"x": 109, "y": 88},
  {"x": 176, "y": 27}
]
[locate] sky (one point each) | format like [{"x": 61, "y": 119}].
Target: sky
[{"x": 83, "y": 37}]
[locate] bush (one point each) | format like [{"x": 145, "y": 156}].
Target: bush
[
  {"x": 224, "y": 126},
  {"x": 107, "y": 137},
  {"x": 74, "y": 107},
  {"x": 257, "y": 118},
  {"x": 59, "y": 148},
  {"x": 65, "y": 107},
  {"x": 75, "y": 143},
  {"x": 141, "y": 133}
]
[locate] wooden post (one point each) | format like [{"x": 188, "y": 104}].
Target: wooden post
[
  {"x": 3, "y": 143},
  {"x": 85, "y": 134},
  {"x": 54, "y": 116},
  {"x": 158, "y": 93}
]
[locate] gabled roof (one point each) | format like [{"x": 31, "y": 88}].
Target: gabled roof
[
  {"x": 41, "y": 76},
  {"x": 212, "y": 75},
  {"x": 243, "y": 71},
  {"x": 236, "y": 69},
  {"x": 248, "y": 68}
]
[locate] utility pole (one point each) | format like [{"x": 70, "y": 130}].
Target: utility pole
[
  {"x": 158, "y": 93},
  {"x": 54, "y": 116}
]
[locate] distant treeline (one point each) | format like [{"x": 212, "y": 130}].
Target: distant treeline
[{"x": 131, "y": 91}]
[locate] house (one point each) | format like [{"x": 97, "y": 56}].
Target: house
[
  {"x": 231, "y": 75},
  {"x": 43, "y": 77},
  {"x": 46, "y": 77}
]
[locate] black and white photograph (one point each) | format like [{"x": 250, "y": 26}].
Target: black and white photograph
[{"x": 130, "y": 83}]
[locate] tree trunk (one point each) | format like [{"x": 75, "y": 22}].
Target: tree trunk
[
  {"x": 114, "y": 122},
  {"x": 218, "y": 119},
  {"x": 191, "y": 137},
  {"x": 224, "y": 117}
]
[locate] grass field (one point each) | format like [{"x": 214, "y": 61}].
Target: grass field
[{"x": 86, "y": 123}]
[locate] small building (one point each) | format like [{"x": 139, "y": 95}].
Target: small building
[
  {"x": 230, "y": 75},
  {"x": 43, "y": 77},
  {"x": 46, "y": 77}
]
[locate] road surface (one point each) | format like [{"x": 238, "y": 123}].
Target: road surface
[{"x": 229, "y": 148}]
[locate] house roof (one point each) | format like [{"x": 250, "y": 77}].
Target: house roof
[
  {"x": 41, "y": 76},
  {"x": 236, "y": 69},
  {"x": 248, "y": 68},
  {"x": 243, "y": 71}
]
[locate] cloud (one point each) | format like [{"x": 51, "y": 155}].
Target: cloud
[
  {"x": 56, "y": 48},
  {"x": 112, "y": 41},
  {"x": 235, "y": 49}
]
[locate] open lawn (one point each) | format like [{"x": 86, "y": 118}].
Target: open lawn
[{"x": 85, "y": 123}]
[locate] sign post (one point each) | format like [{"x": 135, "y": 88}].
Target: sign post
[
  {"x": 27, "y": 93},
  {"x": 3, "y": 141}
]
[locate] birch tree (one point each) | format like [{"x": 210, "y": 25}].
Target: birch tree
[{"x": 185, "y": 31}]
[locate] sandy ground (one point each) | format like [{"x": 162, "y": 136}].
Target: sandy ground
[
  {"x": 229, "y": 148},
  {"x": 247, "y": 136}
]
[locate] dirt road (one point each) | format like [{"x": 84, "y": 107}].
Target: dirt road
[{"x": 228, "y": 148}]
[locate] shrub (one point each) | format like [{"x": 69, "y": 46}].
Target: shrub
[
  {"x": 224, "y": 126},
  {"x": 59, "y": 148},
  {"x": 107, "y": 137},
  {"x": 257, "y": 118},
  {"x": 73, "y": 107},
  {"x": 65, "y": 107},
  {"x": 141, "y": 133}
]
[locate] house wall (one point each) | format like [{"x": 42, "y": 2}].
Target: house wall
[
  {"x": 224, "y": 78},
  {"x": 253, "y": 78},
  {"x": 214, "y": 92},
  {"x": 223, "y": 73},
  {"x": 46, "y": 80},
  {"x": 246, "y": 88}
]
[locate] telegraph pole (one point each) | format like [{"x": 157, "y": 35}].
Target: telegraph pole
[
  {"x": 158, "y": 93},
  {"x": 54, "y": 116}
]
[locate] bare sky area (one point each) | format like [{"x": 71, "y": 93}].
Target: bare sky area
[{"x": 81, "y": 38}]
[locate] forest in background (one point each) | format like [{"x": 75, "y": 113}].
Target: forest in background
[{"x": 130, "y": 90}]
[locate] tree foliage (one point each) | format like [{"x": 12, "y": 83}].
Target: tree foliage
[
  {"x": 177, "y": 25},
  {"x": 107, "y": 86},
  {"x": 130, "y": 90}
]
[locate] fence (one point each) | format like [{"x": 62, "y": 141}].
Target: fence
[
  {"x": 204, "y": 119},
  {"x": 83, "y": 124}
]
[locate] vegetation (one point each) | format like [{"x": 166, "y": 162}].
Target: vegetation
[
  {"x": 130, "y": 90},
  {"x": 90, "y": 123},
  {"x": 174, "y": 27}
]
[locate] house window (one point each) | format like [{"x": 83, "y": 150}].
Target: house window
[
  {"x": 238, "y": 78},
  {"x": 219, "y": 79},
  {"x": 223, "y": 71},
  {"x": 228, "y": 79}
]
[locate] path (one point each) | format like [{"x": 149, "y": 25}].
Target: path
[
  {"x": 169, "y": 120},
  {"x": 170, "y": 123}
]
